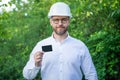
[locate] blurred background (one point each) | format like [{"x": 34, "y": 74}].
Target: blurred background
[{"x": 24, "y": 22}]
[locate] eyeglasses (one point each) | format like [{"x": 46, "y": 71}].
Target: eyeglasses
[{"x": 64, "y": 20}]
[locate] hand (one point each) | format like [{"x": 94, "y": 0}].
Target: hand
[{"x": 38, "y": 58}]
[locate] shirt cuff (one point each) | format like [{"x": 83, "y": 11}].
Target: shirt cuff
[{"x": 37, "y": 68}]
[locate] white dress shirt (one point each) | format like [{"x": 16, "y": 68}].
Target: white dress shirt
[{"x": 65, "y": 62}]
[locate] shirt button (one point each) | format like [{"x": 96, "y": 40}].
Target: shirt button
[
  {"x": 60, "y": 70},
  {"x": 61, "y": 61}
]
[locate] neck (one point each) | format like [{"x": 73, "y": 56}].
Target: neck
[{"x": 60, "y": 38}]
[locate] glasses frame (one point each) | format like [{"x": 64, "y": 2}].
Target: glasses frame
[{"x": 63, "y": 20}]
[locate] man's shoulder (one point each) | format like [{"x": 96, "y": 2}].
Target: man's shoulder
[{"x": 76, "y": 40}]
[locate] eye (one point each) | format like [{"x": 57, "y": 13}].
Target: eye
[
  {"x": 64, "y": 19},
  {"x": 55, "y": 19}
]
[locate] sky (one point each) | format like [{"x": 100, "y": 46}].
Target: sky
[{"x": 8, "y": 8}]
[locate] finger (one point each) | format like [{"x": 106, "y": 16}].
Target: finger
[
  {"x": 38, "y": 60},
  {"x": 38, "y": 56},
  {"x": 39, "y": 53}
]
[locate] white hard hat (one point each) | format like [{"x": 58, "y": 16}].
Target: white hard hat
[{"x": 59, "y": 9}]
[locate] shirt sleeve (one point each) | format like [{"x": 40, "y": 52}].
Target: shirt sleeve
[
  {"x": 87, "y": 66},
  {"x": 30, "y": 70}
]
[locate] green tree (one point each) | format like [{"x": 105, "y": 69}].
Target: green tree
[{"x": 96, "y": 22}]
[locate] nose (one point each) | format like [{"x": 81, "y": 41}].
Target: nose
[{"x": 60, "y": 22}]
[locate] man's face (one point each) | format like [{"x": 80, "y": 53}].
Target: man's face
[{"x": 60, "y": 24}]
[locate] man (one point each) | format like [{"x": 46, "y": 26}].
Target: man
[{"x": 66, "y": 58}]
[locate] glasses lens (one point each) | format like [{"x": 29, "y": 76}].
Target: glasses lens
[{"x": 56, "y": 21}]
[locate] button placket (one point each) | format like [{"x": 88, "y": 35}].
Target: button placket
[{"x": 61, "y": 62}]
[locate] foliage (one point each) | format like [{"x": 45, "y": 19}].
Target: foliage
[{"x": 97, "y": 23}]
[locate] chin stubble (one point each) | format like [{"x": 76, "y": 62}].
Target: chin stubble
[{"x": 61, "y": 32}]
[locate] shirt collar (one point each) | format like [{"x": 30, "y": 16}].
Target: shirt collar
[{"x": 66, "y": 39}]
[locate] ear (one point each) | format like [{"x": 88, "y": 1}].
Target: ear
[
  {"x": 50, "y": 22},
  {"x": 68, "y": 21}
]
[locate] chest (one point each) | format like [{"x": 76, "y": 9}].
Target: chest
[{"x": 67, "y": 54}]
